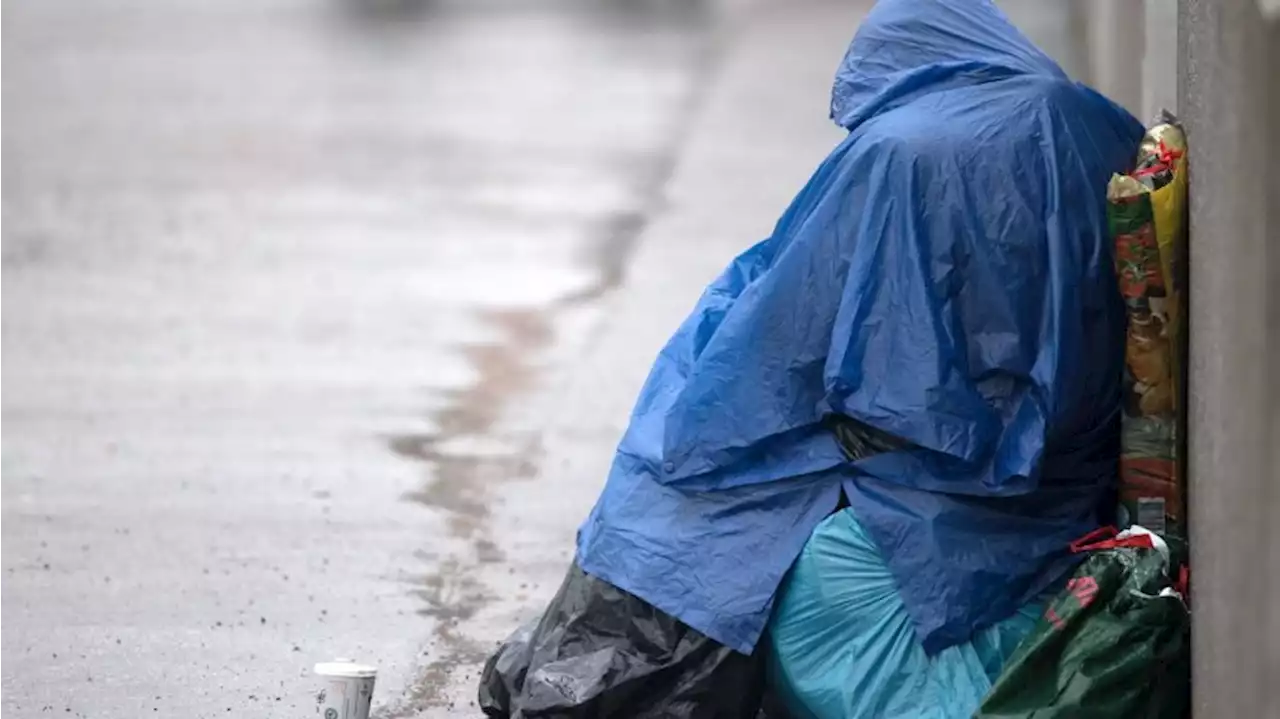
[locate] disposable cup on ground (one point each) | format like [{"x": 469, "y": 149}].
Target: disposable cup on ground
[{"x": 347, "y": 689}]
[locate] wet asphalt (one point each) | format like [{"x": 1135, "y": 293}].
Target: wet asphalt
[
  {"x": 322, "y": 316},
  {"x": 272, "y": 271}
]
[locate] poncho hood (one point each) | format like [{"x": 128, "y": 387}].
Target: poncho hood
[{"x": 905, "y": 48}]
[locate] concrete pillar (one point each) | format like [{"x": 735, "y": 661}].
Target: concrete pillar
[
  {"x": 1058, "y": 27},
  {"x": 1160, "y": 61},
  {"x": 1229, "y": 98},
  {"x": 1116, "y": 35}
]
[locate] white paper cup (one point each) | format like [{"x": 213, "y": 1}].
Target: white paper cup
[{"x": 347, "y": 689}]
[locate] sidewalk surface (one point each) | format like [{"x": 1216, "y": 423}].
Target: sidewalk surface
[
  {"x": 322, "y": 328},
  {"x": 271, "y": 269}
]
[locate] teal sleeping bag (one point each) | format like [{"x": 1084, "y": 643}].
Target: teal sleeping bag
[{"x": 843, "y": 645}]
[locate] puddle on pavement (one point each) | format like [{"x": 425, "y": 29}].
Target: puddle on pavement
[
  {"x": 470, "y": 457},
  {"x": 462, "y": 481}
]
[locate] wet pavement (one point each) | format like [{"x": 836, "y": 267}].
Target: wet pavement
[
  {"x": 323, "y": 317},
  {"x": 272, "y": 271}
]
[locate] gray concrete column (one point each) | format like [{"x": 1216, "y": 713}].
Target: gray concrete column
[
  {"x": 1116, "y": 37},
  {"x": 1228, "y": 98},
  {"x": 1160, "y": 60}
]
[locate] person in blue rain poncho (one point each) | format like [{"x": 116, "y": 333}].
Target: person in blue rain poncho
[{"x": 945, "y": 279}]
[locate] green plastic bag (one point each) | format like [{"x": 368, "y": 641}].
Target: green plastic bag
[{"x": 1116, "y": 642}]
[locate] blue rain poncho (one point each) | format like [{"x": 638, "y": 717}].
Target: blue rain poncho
[{"x": 945, "y": 277}]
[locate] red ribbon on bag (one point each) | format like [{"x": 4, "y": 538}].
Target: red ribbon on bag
[
  {"x": 1105, "y": 538},
  {"x": 1165, "y": 157}
]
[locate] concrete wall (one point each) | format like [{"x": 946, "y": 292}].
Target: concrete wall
[
  {"x": 1115, "y": 35},
  {"x": 1131, "y": 52},
  {"x": 1160, "y": 58},
  {"x": 1229, "y": 90},
  {"x": 1058, "y": 27}
]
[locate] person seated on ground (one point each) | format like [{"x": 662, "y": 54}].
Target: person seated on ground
[{"x": 941, "y": 292}]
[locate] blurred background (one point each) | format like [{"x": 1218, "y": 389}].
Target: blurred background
[{"x": 322, "y": 317}]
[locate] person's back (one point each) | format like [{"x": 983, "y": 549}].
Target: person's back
[{"x": 945, "y": 278}]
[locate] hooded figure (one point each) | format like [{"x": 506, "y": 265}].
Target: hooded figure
[{"x": 944, "y": 280}]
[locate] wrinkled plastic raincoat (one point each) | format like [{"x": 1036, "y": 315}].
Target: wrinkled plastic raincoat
[{"x": 945, "y": 276}]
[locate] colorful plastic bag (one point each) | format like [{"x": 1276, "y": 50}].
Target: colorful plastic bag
[
  {"x": 843, "y": 647},
  {"x": 1146, "y": 212},
  {"x": 1116, "y": 642}
]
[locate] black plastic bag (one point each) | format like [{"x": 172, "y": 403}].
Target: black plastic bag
[{"x": 598, "y": 651}]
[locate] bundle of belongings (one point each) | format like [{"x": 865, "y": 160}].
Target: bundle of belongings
[
  {"x": 1146, "y": 211},
  {"x": 851, "y": 484},
  {"x": 1114, "y": 643}
]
